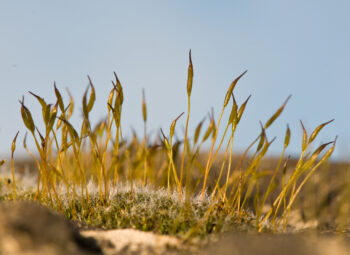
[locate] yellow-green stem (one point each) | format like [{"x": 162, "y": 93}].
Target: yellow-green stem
[
  {"x": 13, "y": 177},
  {"x": 185, "y": 143},
  {"x": 207, "y": 168},
  {"x": 145, "y": 154}
]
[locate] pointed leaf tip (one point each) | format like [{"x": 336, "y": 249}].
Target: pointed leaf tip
[
  {"x": 172, "y": 127},
  {"x": 318, "y": 129},
  {"x": 232, "y": 86},
  {"x": 189, "y": 75}
]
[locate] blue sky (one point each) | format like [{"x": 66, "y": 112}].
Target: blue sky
[{"x": 289, "y": 47}]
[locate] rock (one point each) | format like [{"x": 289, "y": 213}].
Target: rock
[
  {"x": 130, "y": 241},
  {"x": 29, "y": 228},
  {"x": 286, "y": 244}
]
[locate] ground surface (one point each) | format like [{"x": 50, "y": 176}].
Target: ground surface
[{"x": 28, "y": 228}]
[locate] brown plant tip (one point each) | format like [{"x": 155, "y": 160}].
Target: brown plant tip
[
  {"x": 144, "y": 107},
  {"x": 190, "y": 76},
  {"x": 318, "y": 129},
  {"x": 172, "y": 127},
  {"x": 305, "y": 141},
  {"x": 59, "y": 97},
  {"x": 27, "y": 117},
  {"x": 277, "y": 113},
  {"x": 287, "y": 137},
  {"x": 232, "y": 86},
  {"x": 13, "y": 146}
]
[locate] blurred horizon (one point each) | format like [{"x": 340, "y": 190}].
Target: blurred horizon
[{"x": 293, "y": 48}]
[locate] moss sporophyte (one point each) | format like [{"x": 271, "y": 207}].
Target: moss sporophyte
[{"x": 166, "y": 184}]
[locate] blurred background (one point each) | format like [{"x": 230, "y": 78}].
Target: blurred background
[{"x": 288, "y": 47}]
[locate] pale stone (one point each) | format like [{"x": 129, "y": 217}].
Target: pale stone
[{"x": 131, "y": 241}]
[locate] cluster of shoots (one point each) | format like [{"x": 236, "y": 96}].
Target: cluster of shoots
[{"x": 71, "y": 157}]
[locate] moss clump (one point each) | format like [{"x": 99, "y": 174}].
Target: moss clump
[{"x": 144, "y": 209}]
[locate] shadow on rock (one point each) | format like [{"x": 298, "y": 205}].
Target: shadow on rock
[{"x": 29, "y": 228}]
